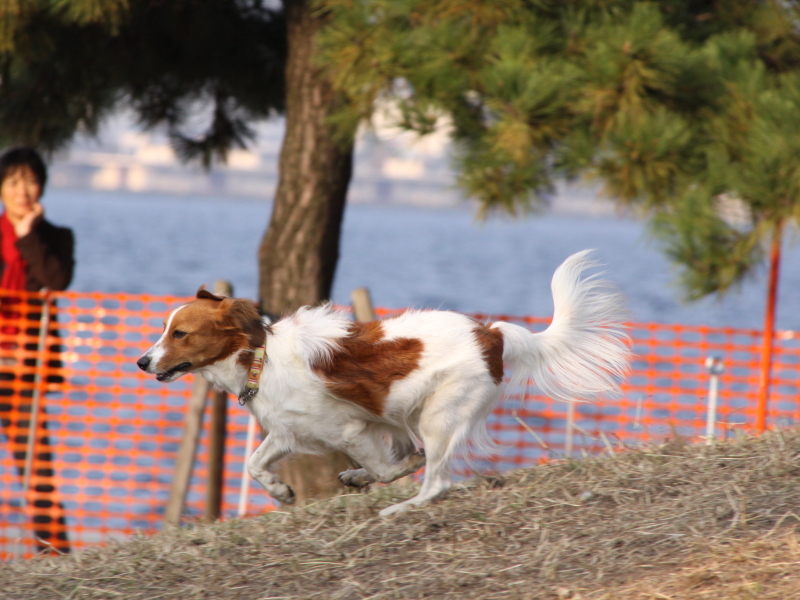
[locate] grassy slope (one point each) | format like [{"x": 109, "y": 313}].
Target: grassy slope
[{"x": 671, "y": 522}]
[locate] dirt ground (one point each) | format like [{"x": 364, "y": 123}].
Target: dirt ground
[{"x": 669, "y": 522}]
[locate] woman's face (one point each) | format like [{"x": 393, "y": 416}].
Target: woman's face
[{"x": 20, "y": 192}]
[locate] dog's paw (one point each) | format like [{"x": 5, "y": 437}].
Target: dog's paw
[
  {"x": 357, "y": 478},
  {"x": 283, "y": 493},
  {"x": 396, "y": 509}
]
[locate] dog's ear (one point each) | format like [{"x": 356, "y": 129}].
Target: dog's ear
[
  {"x": 246, "y": 318},
  {"x": 204, "y": 294}
]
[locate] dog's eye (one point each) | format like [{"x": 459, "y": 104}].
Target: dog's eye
[{"x": 178, "y": 334}]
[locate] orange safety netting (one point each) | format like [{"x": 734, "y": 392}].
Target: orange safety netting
[{"x": 107, "y": 434}]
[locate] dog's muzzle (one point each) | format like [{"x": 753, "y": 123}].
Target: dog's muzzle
[
  {"x": 144, "y": 363},
  {"x": 166, "y": 375}
]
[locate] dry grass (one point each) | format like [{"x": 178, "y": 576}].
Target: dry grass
[{"x": 666, "y": 523}]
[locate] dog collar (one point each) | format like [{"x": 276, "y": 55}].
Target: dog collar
[{"x": 251, "y": 387}]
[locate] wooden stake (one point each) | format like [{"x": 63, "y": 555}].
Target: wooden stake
[
  {"x": 362, "y": 305},
  {"x": 190, "y": 438},
  {"x": 192, "y": 426},
  {"x": 38, "y": 378},
  {"x": 216, "y": 438}
]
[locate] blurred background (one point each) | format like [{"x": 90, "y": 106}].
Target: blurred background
[{"x": 147, "y": 223}]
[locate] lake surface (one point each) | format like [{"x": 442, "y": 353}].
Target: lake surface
[{"x": 407, "y": 257}]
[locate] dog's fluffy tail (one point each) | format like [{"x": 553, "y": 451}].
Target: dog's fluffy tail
[{"x": 586, "y": 350}]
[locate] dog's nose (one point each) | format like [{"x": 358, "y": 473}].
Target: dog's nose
[{"x": 143, "y": 362}]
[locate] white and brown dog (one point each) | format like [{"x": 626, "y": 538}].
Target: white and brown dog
[{"x": 375, "y": 390}]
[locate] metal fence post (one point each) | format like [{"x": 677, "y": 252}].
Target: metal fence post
[
  {"x": 570, "y": 429},
  {"x": 249, "y": 445},
  {"x": 715, "y": 367}
]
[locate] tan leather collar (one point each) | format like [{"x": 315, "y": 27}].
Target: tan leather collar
[{"x": 253, "y": 375}]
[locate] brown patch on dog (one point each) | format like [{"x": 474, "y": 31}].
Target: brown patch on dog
[
  {"x": 212, "y": 329},
  {"x": 363, "y": 370},
  {"x": 491, "y": 342},
  {"x": 242, "y": 319}
]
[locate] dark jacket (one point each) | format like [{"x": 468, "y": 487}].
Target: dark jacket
[{"x": 50, "y": 253}]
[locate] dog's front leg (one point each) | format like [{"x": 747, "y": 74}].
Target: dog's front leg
[{"x": 258, "y": 466}]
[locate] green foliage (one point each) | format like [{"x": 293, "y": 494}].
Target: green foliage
[
  {"x": 533, "y": 90},
  {"x": 12, "y": 13},
  {"x": 750, "y": 149},
  {"x": 75, "y": 62},
  {"x": 109, "y": 13},
  {"x": 646, "y": 158},
  {"x": 768, "y": 170},
  {"x": 16, "y": 14},
  {"x": 713, "y": 255},
  {"x": 669, "y": 104}
]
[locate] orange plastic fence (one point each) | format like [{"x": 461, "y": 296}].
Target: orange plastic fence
[{"x": 108, "y": 434}]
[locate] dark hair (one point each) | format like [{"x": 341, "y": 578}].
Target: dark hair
[{"x": 22, "y": 156}]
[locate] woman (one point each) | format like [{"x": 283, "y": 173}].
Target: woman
[{"x": 34, "y": 255}]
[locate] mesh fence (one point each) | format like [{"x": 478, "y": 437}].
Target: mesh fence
[{"x": 107, "y": 435}]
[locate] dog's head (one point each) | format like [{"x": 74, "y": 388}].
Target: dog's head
[{"x": 203, "y": 332}]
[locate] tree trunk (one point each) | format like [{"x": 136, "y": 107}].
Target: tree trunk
[{"x": 300, "y": 249}]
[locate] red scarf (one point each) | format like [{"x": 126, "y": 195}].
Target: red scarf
[{"x": 15, "y": 266}]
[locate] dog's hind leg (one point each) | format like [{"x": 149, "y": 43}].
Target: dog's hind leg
[
  {"x": 438, "y": 449},
  {"x": 258, "y": 466},
  {"x": 445, "y": 425},
  {"x": 367, "y": 446},
  {"x": 362, "y": 477}
]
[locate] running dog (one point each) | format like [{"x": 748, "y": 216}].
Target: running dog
[{"x": 316, "y": 381}]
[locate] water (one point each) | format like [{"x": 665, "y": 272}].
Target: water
[{"x": 408, "y": 257}]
